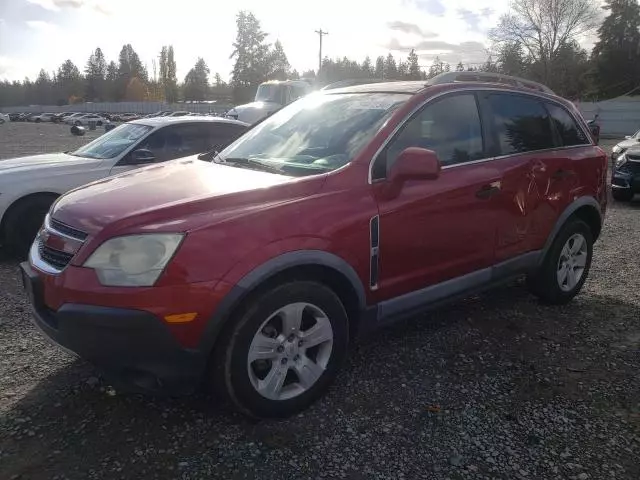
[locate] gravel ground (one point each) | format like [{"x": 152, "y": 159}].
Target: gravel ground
[
  {"x": 496, "y": 386},
  {"x": 18, "y": 139}
]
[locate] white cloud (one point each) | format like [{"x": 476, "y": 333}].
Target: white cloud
[
  {"x": 42, "y": 26},
  {"x": 199, "y": 28},
  {"x": 57, "y": 5}
]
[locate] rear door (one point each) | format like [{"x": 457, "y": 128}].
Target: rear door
[{"x": 526, "y": 158}]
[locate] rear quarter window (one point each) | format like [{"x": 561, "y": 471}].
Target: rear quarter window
[{"x": 568, "y": 130}]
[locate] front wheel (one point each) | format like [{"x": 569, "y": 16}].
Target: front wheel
[
  {"x": 23, "y": 221},
  {"x": 565, "y": 266},
  {"x": 283, "y": 351}
]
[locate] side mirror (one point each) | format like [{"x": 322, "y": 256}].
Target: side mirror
[
  {"x": 415, "y": 163},
  {"x": 141, "y": 156}
]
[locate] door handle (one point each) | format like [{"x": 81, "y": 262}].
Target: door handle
[
  {"x": 562, "y": 174},
  {"x": 489, "y": 190}
]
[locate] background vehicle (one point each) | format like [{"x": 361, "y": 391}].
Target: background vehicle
[
  {"x": 82, "y": 120},
  {"x": 270, "y": 97},
  {"x": 344, "y": 211},
  {"x": 43, "y": 117},
  {"x": 625, "y": 179},
  {"x": 179, "y": 113},
  {"x": 4, "y": 118},
  {"x": 623, "y": 146},
  {"x": 29, "y": 185},
  {"x": 14, "y": 116}
]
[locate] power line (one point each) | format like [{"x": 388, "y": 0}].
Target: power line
[{"x": 320, "y": 34}]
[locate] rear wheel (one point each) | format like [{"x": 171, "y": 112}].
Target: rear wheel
[
  {"x": 283, "y": 351},
  {"x": 23, "y": 221},
  {"x": 622, "y": 195},
  {"x": 565, "y": 266}
]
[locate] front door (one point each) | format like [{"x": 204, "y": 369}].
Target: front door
[{"x": 437, "y": 230}]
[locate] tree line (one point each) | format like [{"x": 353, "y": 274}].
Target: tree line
[{"x": 536, "y": 39}]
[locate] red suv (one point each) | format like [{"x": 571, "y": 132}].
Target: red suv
[{"x": 344, "y": 211}]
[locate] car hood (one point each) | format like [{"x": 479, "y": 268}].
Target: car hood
[
  {"x": 627, "y": 143},
  {"x": 43, "y": 164},
  {"x": 267, "y": 106},
  {"x": 179, "y": 195}
]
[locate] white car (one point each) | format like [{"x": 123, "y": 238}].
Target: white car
[
  {"x": 43, "y": 117},
  {"x": 4, "y": 118},
  {"x": 29, "y": 185},
  {"x": 85, "y": 119},
  {"x": 270, "y": 97},
  {"x": 623, "y": 146}
]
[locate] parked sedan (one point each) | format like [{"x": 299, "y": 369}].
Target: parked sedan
[
  {"x": 43, "y": 117},
  {"x": 29, "y": 185},
  {"x": 85, "y": 119}
]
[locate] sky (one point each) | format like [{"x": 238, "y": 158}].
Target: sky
[{"x": 37, "y": 34}]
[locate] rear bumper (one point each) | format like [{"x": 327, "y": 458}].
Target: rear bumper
[{"x": 133, "y": 348}]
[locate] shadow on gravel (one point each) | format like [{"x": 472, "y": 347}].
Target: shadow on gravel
[{"x": 500, "y": 351}]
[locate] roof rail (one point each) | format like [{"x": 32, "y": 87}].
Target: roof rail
[{"x": 488, "y": 77}]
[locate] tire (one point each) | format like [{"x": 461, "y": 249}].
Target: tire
[
  {"x": 549, "y": 283},
  {"x": 240, "y": 380},
  {"x": 38, "y": 120},
  {"x": 1, "y": 121},
  {"x": 23, "y": 221},
  {"x": 622, "y": 195}
]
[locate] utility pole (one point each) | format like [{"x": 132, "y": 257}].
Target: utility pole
[{"x": 320, "y": 34}]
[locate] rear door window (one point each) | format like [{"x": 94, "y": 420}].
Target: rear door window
[
  {"x": 521, "y": 123},
  {"x": 568, "y": 130}
]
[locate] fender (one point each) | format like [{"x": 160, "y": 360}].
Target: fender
[
  {"x": 570, "y": 210},
  {"x": 272, "y": 267}
]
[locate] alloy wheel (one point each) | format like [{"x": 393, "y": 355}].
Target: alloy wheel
[
  {"x": 572, "y": 262},
  {"x": 290, "y": 351}
]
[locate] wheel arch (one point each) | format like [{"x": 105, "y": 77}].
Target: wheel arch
[
  {"x": 586, "y": 209},
  {"x": 20, "y": 201},
  {"x": 321, "y": 266}
]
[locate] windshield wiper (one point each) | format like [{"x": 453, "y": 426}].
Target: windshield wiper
[{"x": 251, "y": 163}]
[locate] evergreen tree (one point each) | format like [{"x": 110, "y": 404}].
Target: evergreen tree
[
  {"x": 279, "y": 67},
  {"x": 414, "y": 67},
  {"x": 616, "y": 55},
  {"x": 390, "y": 68},
  {"x": 379, "y": 71},
  {"x": 196, "y": 83},
  {"x": 251, "y": 57},
  {"x": 95, "y": 72}
]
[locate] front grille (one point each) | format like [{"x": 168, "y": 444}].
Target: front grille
[
  {"x": 53, "y": 257},
  {"x": 67, "y": 230}
]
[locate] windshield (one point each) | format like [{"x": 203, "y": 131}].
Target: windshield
[
  {"x": 113, "y": 143},
  {"x": 316, "y": 134},
  {"x": 270, "y": 93}
]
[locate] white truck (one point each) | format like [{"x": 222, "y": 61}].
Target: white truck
[{"x": 270, "y": 97}]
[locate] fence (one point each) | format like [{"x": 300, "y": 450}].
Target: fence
[
  {"x": 124, "y": 107},
  {"x": 617, "y": 117}
]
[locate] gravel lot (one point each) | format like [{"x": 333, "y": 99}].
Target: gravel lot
[{"x": 497, "y": 386}]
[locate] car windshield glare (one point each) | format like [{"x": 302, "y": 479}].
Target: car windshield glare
[
  {"x": 270, "y": 93},
  {"x": 316, "y": 134},
  {"x": 113, "y": 143}
]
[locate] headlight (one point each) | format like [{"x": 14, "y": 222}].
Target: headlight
[
  {"x": 616, "y": 149},
  {"x": 133, "y": 261},
  {"x": 621, "y": 160}
]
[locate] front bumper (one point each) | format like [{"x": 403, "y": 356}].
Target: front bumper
[
  {"x": 133, "y": 348},
  {"x": 625, "y": 180}
]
